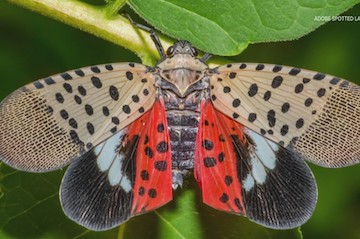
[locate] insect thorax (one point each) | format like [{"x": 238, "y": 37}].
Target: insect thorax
[
  {"x": 182, "y": 71},
  {"x": 182, "y": 83}
]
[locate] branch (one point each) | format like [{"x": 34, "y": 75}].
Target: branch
[
  {"x": 103, "y": 22},
  {"x": 106, "y": 23}
]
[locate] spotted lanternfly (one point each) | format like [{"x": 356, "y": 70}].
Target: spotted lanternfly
[{"x": 132, "y": 132}]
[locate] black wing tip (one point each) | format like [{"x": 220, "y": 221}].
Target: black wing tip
[
  {"x": 288, "y": 198},
  {"x": 88, "y": 199},
  {"x": 92, "y": 222},
  {"x": 287, "y": 223},
  {"x": 293, "y": 218}
]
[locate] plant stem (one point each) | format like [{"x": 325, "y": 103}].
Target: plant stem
[
  {"x": 114, "y": 6},
  {"x": 103, "y": 22}
]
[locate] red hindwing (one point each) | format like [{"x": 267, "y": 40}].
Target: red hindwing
[
  {"x": 153, "y": 184},
  {"x": 215, "y": 165}
]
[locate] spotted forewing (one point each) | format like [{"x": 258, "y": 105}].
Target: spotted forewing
[{"x": 301, "y": 109}]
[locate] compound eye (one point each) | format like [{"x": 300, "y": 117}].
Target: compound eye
[
  {"x": 194, "y": 52},
  {"x": 170, "y": 51}
]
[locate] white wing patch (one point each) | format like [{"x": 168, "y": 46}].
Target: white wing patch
[
  {"x": 105, "y": 151},
  {"x": 262, "y": 159},
  {"x": 248, "y": 183},
  {"x": 110, "y": 160},
  {"x": 292, "y": 106},
  {"x": 264, "y": 149}
]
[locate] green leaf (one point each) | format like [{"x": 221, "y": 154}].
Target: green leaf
[
  {"x": 188, "y": 217},
  {"x": 226, "y": 27},
  {"x": 30, "y": 208}
]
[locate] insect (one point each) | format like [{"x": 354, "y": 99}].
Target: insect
[{"x": 131, "y": 133}]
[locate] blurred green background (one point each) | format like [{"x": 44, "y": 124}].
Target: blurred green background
[{"x": 33, "y": 46}]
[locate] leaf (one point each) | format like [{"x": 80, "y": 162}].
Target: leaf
[
  {"x": 187, "y": 217},
  {"x": 227, "y": 27},
  {"x": 30, "y": 208}
]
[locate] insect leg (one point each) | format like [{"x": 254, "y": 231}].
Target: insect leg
[{"x": 153, "y": 36}]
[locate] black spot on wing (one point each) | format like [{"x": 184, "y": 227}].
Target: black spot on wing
[
  {"x": 141, "y": 191},
  {"x": 89, "y": 109},
  {"x": 253, "y": 89},
  {"x": 276, "y": 82},
  {"x": 335, "y": 80},
  {"x": 64, "y": 114},
  {"x": 232, "y": 75},
  {"x": 129, "y": 75},
  {"x": 236, "y": 103},
  {"x": 209, "y": 162},
  {"x": 226, "y": 89},
  {"x": 95, "y": 69},
  {"x": 308, "y": 102},
  {"x": 162, "y": 147},
  {"x": 73, "y": 123},
  {"x": 96, "y": 82},
  {"x": 105, "y": 111},
  {"x": 160, "y": 127},
  {"x": 252, "y": 117},
  {"x": 66, "y": 76},
  {"x": 321, "y": 92},
  {"x": 277, "y": 68},
  {"x": 319, "y": 76},
  {"x": 152, "y": 193},
  {"x": 114, "y": 93},
  {"x": 79, "y": 72},
  {"x": 82, "y": 90},
  {"x": 221, "y": 157},
  {"x": 207, "y": 144},
  {"x": 115, "y": 120},
  {"x": 149, "y": 152},
  {"x": 267, "y": 95},
  {"x": 271, "y": 118},
  {"x": 59, "y": 98},
  {"x": 299, "y": 88},
  {"x": 68, "y": 88},
  {"x": 109, "y": 67},
  {"x": 160, "y": 165},
  {"x": 228, "y": 180},
  {"x": 144, "y": 174},
  {"x": 260, "y": 67},
  {"x": 77, "y": 99},
  {"x": 38, "y": 85},
  {"x": 242, "y": 66},
  {"x": 294, "y": 71},
  {"x": 284, "y": 130},
  {"x": 49, "y": 81},
  {"x": 141, "y": 110},
  {"x": 224, "y": 198}
]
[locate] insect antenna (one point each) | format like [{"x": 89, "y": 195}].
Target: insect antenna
[{"x": 153, "y": 36}]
